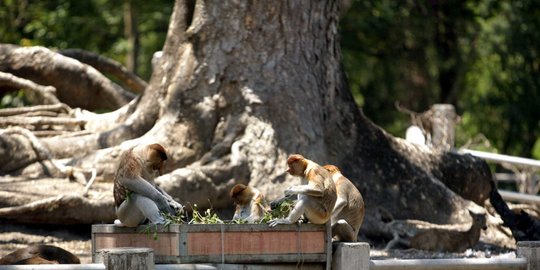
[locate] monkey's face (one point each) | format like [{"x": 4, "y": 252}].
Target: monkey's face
[
  {"x": 297, "y": 168},
  {"x": 154, "y": 165}
]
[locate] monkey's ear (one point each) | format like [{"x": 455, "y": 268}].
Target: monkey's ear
[{"x": 159, "y": 149}]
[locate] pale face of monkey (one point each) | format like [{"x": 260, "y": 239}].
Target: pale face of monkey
[{"x": 297, "y": 168}]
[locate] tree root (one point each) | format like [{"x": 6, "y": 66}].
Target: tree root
[
  {"x": 36, "y": 93},
  {"x": 109, "y": 66},
  {"x": 43, "y": 154}
]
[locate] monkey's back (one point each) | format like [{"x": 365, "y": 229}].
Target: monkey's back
[
  {"x": 128, "y": 167},
  {"x": 354, "y": 211}
]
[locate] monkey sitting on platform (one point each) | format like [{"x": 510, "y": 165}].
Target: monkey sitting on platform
[
  {"x": 250, "y": 203},
  {"x": 136, "y": 195},
  {"x": 316, "y": 199},
  {"x": 348, "y": 213}
]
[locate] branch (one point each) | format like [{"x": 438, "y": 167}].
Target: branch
[
  {"x": 42, "y": 94},
  {"x": 109, "y": 66},
  {"x": 77, "y": 84},
  {"x": 56, "y": 108},
  {"x": 39, "y": 121}
]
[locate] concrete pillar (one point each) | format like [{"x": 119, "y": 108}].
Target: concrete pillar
[
  {"x": 353, "y": 255},
  {"x": 531, "y": 251},
  {"x": 443, "y": 123},
  {"x": 126, "y": 258}
]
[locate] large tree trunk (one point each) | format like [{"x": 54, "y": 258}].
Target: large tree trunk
[{"x": 240, "y": 86}]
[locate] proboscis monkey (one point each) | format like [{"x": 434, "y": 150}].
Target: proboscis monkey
[
  {"x": 250, "y": 203},
  {"x": 348, "y": 212},
  {"x": 316, "y": 199},
  {"x": 136, "y": 195},
  {"x": 39, "y": 254}
]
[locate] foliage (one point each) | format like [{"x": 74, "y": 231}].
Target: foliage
[
  {"x": 480, "y": 55},
  {"x": 93, "y": 25},
  {"x": 208, "y": 217}
]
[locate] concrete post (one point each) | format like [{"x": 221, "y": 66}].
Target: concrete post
[
  {"x": 126, "y": 258},
  {"x": 531, "y": 251},
  {"x": 353, "y": 255},
  {"x": 443, "y": 123}
]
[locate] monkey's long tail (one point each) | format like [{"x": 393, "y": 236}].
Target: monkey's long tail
[{"x": 523, "y": 226}]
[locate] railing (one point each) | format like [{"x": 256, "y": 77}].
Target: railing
[
  {"x": 450, "y": 264},
  {"x": 524, "y": 170}
]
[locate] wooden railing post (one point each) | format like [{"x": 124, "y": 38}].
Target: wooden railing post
[
  {"x": 126, "y": 258},
  {"x": 531, "y": 251}
]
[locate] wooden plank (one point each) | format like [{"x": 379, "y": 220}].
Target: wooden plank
[
  {"x": 240, "y": 243},
  {"x": 164, "y": 245},
  {"x": 210, "y": 243}
]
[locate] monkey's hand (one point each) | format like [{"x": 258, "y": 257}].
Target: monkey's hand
[
  {"x": 177, "y": 207},
  {"x": 276, "y": 203},
  {"x": 164, "y": 206},
  {"x": 274, "y": 222}
]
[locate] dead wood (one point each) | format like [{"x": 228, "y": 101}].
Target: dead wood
[
  {"x": 77, "y": 84},
  {"x": 108, "y": 66},
  {"x": 62, "y": 209},
  {"x": 55, "y": 108},
  {"x": 37, "y": 94}
]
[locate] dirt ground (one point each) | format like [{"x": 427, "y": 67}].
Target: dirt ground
[{"x": 77, "y": 239}]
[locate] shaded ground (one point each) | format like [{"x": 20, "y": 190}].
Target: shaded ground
[{"x": 75, "y": 239}]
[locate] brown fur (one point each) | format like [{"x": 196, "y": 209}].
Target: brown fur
[
  {"x": 351, "y": 216},
  {"x": 250, "y": 203},
  {"x": 318, "y": 207},
  {"x": 138, "y": 161},
  {"x": 450, "y": 240},
  {"x": 39, "y": 254}
]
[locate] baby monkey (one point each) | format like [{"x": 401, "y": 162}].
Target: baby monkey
[{"x": 250, "y": 203}]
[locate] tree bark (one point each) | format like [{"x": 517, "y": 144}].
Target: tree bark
[{"x": 242, "y": 85}]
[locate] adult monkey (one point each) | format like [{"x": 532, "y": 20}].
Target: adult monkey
[
  {"x": 316, "y": 199},
  {"x": 348, "y": 212},
  {"x": 136, "y": 195}
]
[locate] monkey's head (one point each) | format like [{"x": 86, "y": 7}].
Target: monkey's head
[
  {"x": 331, "y": 168},
  {"x": 240, "y": 194},
  {"x": 297, "y": 165},
  {"x": 153, "y": 156}
]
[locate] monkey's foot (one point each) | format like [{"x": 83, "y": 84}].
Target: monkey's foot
[{"x": 119, "y": 223}]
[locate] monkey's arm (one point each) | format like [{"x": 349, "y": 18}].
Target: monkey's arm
[
  {"x": 174, "y": 204},
  {"x": 294, "y": 215},
  {"x": 237, "y": 213},
  {"x": 277, "y": 202},
  {"x": 144, "y": 188},
  {"x": 305, "y": 190}
]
